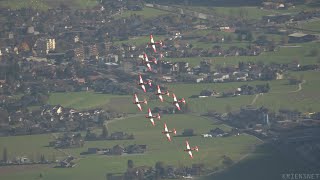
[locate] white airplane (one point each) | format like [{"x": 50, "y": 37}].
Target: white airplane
[
  {"x": 153, "y": 43},
  {"x": 150, "y": 116},
  {"x": 138, "y": 103},
  {"x": 142, "y": 83},
  {"x": 159, "y": 93},
  {"x": 176, "y": 101},
  {"x": 167, "y": 132},
  {"x": 189, "y": 150},
  {"x": 147, "y": 61}
]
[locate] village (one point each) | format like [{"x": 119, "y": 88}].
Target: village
[{"x": 93, "y": 50}]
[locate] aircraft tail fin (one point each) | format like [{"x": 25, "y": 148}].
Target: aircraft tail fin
[
  {"x": 196, "y": 148},
  {"x": 174, "y": 131}
]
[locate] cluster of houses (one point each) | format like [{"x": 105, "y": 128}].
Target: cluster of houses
[
  {"x": 160, "y": 171},
  {"x": 25, "y": 160},
  {"x": 242, "y": 90},
  {"x": 218, "y": 132},
  {"x": 117, "y": 150},
  {"x": 68, "y": 141},
  {"x": 244, "y": 71},
  {"x": 68, "y": 162},
  {"x": 262, "y": 122},
  {"x": 50, "y": 118}
]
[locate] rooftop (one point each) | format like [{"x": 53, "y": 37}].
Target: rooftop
[{"x": 297, "y": 35}]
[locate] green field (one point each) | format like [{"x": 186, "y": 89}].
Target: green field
[
  {"x": 281, "y": 95},
  {"x": 146, "y": 13},
  {"x": 305, "y": 100},
  {"x": 282, "y": 55},
  {"x": 313, "y": 25},
  {"x": 31, "y": 146},
  {"x": 82, "y": 100},
  {"x": 246, "y": 12},
  {"x": 140, "y": 40},
  {"x": 46, "y": 4},
  {"x": 159, "y": 149}
]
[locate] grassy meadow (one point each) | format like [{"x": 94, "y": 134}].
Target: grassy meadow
[
  {"x": 31, "y": 146},
  {"x": 147, "y": 13},
  {"x": 281, "y": 95},
  {"x": 140, "y": 40},
  {"x": 159, "y": 149},
  {"x": 82, "y": 100},
  {"x": 299, "y": 52},
  {"x": 312, "y": 25},
  {"x": 46, "y": 4},
  {"x": 305, "y": 100},
  {"x": 246, "y": 12}
]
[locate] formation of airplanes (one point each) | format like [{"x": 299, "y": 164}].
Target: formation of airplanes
[{"x": 147, "y": 62}]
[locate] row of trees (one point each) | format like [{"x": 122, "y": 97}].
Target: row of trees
[
  {"x": 92, "y": 136},
  {"x": 40, "y": 158}
]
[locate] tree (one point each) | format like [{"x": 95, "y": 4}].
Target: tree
[
  {"x": 5, "y": 155},
  {"x": 130, "y": 164},
  {"x": 104, "y": 132},
  {"x": 228, "y": 38},
  {"x": 188, "y": 132},
  {"x": 294, "y": 81},
  {"x": 228, "y": 108},
  {"x": 227, "y": 161},
  {"x": 313, "y": 52},
  {"x": 160, "y": 169},
  {"x": 42, "y": 158},
  {"x": 249, "y": 36},
  {"x": 284, "y": 39}
]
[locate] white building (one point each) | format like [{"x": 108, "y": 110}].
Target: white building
[{"x": 51, "y": 45}]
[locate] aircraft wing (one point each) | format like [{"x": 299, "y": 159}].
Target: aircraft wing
[
  {"x": 149, "y": 67},
  {"x": 178, "y": 106},
  {"x": 149, "y": 111},
  {"x": 190, "y": 153},
  {"x": 136, "y": 98},
  {"x": 161, "y": 98},
  {"x": 151, "y": 119},
  {"x": 140, "y": 79},
  {"x": 139, "y": 106},
  {"x": 168, "y": 137},
  {"x": 159, "y": 91},
  {"x": 154, "y": 48},
  {"x": 151, "y": 39},
  {"x": 187, "y": 144},
  {"x": 174, "y": 98},
  {"x": 146, "y": 59},
  {"x": 143, "y": 87},
  {"x": 165, "y": 127}
]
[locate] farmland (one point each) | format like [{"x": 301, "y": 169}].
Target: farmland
[
  {"x": 159, "y": 149},
  {"x": 146, "y": 13},
  {"x": 282, "y": 55},
  {"x": 46, "y": 4},
  {"x": 246, "y": 150},
  {"x": 281, "y": 95},
  {"x": 81, "y": 100}
]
